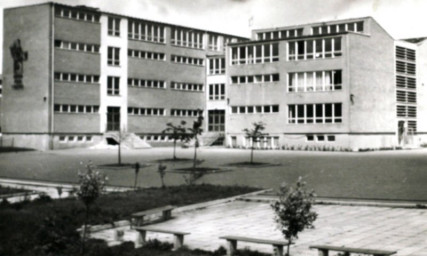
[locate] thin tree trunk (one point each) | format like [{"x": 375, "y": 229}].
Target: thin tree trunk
[
  {"x": 174, "y": 149},
  {"x": 120, "y": 154},
  {"x": 195, "y": 154},
  {"x": 288, "y": 247},
  {"x": 252, "y": 154}
]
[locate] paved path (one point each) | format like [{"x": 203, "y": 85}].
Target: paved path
[{"x": 404, "y": 230}]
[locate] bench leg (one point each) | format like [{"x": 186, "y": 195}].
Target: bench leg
[
  {"x": 167, "y": 215},
  {"x": 141, "y": 238},
  {"x": 323, "y": 252},
  {"x": 179, "y": 241},
  {"x": 232, "y": 247},
  {"x": 278, "y": 250}
]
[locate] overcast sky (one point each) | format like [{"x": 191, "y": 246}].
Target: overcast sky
[{"x": 401, "y": 18}]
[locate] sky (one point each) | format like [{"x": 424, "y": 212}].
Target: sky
[{"x": 401, "y": 18}]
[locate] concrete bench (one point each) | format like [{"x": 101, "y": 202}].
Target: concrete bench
[
  {"x": 179, "y": 236},
  {"x": 232, "y": 243},
  {"x": 138, "y": 217},
  {"x": 324, "y": 250}
]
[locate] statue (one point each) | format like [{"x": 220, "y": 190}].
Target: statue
[{"x": 18, "y": 56}]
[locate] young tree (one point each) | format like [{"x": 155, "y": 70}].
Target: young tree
[
  {"x": 177, "y": 133},
  {"x": 294, "y": 210},
  {"x": 90, "y": 188},
  {"x": 254, "y": 135},
  {"x": 119, "y": 137},
  {"x": 194, "y": 132},
  {"x": 162, "y": 171}
]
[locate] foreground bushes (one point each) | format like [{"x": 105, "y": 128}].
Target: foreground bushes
[{"x": 48, "y": 227}]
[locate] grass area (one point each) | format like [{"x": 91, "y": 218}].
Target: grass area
[
  {"x": 251, "y": 164},
  {"x": 9, "y": 190},
  {"x": 14, "y": 149},
  {"x": 48, "y": 227}
]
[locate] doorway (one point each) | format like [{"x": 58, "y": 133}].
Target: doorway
[{"x": 113, "y": 118}]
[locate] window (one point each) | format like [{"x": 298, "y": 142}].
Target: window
[
  {"x": 113, "y": 85},
  {"x": 93, "y": 48},
  {"x": 315, "y": 113},
  {"x": 187, "y": 60},
  {"x": 216, "y": 66},
  {"x": 186, "y": 86},
  {"x": 187, "y": 38},
  {"x": 157, "y": 84},
  {"x": 264, "y": 109},
  {"x": 146, "y": 111},
  {"x": 318, "y": 81},
  {"x": 146, "y": 31},
  {"x": 65, "y": 108},
  {"x": 338, "y": 28},
  {"x": 263, "y": 53},
  {"x": 265, "y": 78},
  {"x": 274, "y": 35},
  {"x": 76, "y": 78},
  {"x": 217, "y": 92},
  {"x": 69, "y": 13},
  {"x": 186, "y": 112},
  {"x": 113, "y": 26},
  {"x": 113, "y": 56},
  {"x": 146, "y": 55},
  {"x": 213, "y": 43},
  {"x": 314, "y": 49}
]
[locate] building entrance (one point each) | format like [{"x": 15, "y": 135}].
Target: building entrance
[
  {"x": 216, "y": 120},
  {"x": 113, "y": 118}
]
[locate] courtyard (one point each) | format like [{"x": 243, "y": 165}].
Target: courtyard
[{"x": 379, "y": 175}]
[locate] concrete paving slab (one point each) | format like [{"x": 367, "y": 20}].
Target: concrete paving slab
[{"x": 403, "y": 230}]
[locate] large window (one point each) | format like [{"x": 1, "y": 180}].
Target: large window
[
  {"x": 113, "y": 26},
  {"x": 145, "y": 31},
  {"x": 216, "y": 66},
  {"x": 213, "y": 43},
  {"x": 314, "y": 49},
  {"x": 113, "y": 56},
  {"x": 187, "y": 38},
  {"x": 217, "y": 92},
  {"x": 338, "y": 28},
  {"x": 318, "y": 81},
  {"x": 315, "y": 113},
  {"x": 113, "y": 85},
  {"x": 252, "y": 54}
]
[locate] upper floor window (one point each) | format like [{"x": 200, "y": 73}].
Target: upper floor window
[
  {"x": 93, "y": 48},
  {"x": 113, "y": 85},
  {"x": 252, "y": 54},
  {"x": 314, "y": 49},
  {"x": 139, "y": 30},
  {"x": 318, "y": 81},
  {"x": 273, "y": 35},
  {"x": 70, "y": 13},
  {"x": 113, "y": 56},
  {"x": 187, "y": 60},
  {"x": 216, "y": 66},
  {"x": 113, "y": 26},
  {"x": 315, "y": 113},
  {"x": 264, "y": 78},
  {"x": 217, "y": 92},
  {"x": 338, "y": 28},
  {"x": 213, "y": 43},
  {"x": 187, "y": 38}
]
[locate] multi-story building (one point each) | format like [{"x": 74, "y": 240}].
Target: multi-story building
[
  {"x": 342, "y": 84},
  {"x": 74, "y": 73}
]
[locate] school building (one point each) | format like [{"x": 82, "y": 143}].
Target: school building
[{"x": 74, "y": 75}]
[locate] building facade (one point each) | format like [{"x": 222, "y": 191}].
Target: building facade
[
  {"x": 87, "y": 73},
  {"x": 72, "y": 74}
]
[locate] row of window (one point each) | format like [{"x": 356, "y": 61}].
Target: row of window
[
  {"x": 135, "y": 82},
  {"x": 76, "y": 14},
  {"x": 264, "y": 109},
  {"x": 84, "y": 47},
  {"x": 216, "y": 66},
  {"x": 406, "y": 82},
  {"x": 139, "y": 30},
  {"x": 406, "y": 97},
  {"x": 406, "y": 111},
  {"x": 315, "y": 81},
  {"x": 67, "y": 108},
  {"x": 320, "y": 138},
  {"x": 265, "y": 78},
  {"x": 146, "y": 111},
  {"x": 187, "y": 60},
  {"x": 338, "y": 28},
  {"x": 78, "y": 78},
  {"x": 186, "y": 86},
  {"x": 75, "y": 138},
  {"x": 113, "y": 56},
  {"x": 315, "y": 113},
  {"x": 315, "y": 49},
  {"x": 187, "y": 38},
  {"x": 146, "y": 55},
  {"x": 217, "y": 92},
  {"x": 156, "y": 137},
  {"x": 405, "y": 53},
  {"x": 405, "y": 68},
  {"x": 282, "y": 34},
  {"x": 252, "y": 54}
]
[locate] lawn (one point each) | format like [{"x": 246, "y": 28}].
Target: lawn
[
  {"x": 388, "y": 175},
  {"x": 48, "y": 227}
]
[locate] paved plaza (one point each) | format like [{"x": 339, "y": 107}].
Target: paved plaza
[{"x": 387, "y": 228}]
